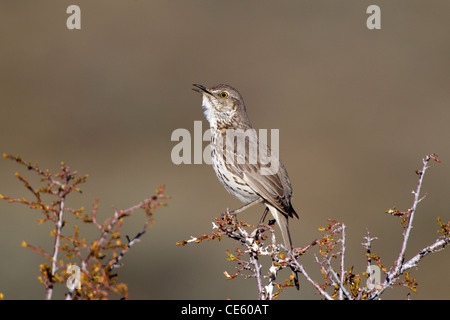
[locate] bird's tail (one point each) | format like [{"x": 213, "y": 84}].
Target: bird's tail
[{"x": 283, "y": 223}]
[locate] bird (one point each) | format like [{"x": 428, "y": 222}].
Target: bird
[{"x": 246, "y": 166}]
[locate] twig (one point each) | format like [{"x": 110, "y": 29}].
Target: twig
[
  {"x": 66, "y": 176},
  {"x": 435, "y": 247},
  {"x": 398, "y": 264},
  {"x": 338, "y": 281},
  {"x": 341, "y": 280},
  {"x": 398, "y": 267},
  {"x": 257, "y": 272},
  {"x": 115, "y": 262},
  {"x": 368, "y": 246},
  {"x": 300, "y": 268}
]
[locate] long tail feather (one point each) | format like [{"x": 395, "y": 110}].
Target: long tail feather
[{"x": 283, "y": 223}]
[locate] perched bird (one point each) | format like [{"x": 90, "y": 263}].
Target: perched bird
[{"x": 245, "y": 166}]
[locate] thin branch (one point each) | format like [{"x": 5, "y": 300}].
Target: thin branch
[
  {"x": 398, "y": 264},
  {"x": 257, "y": 272},
  {"x": 115, "y": 262},
  {"x": 398, "y": 267},
  {"x": 58, "y": 225},
  {"x": 300, "y": 268},
  {"x": 435, "y": 247},
  {"x": 341, "y": 280},
  {"x": 368, "y": 246}
]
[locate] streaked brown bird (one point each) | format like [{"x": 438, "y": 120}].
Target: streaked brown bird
[{"x": 245, "y": 166}]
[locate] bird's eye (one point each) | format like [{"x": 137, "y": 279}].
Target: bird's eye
[{"x": 223, "y": 94}]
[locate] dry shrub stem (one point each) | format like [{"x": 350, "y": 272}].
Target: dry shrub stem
[{"x": 97, "y": 259}]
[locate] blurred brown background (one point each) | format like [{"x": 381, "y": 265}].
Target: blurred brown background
[{"x": 357, "y": 110}]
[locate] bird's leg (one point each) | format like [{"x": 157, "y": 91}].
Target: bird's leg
[
  {"x": 260, "y": 227},
  {"x": 248, "y": 205},
  {"x": 263, "y": 216}
]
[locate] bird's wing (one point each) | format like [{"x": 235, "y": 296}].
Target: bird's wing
[{"x": 260, "y": 168}]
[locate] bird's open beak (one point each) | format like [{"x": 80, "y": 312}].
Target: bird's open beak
[{"x": 201, "y": 89}]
